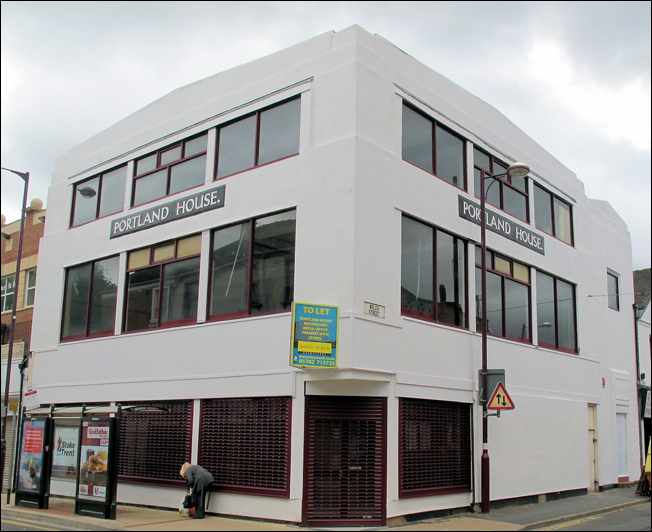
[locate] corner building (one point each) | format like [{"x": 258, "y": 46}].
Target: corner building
[{"x": 338, "y": 172}]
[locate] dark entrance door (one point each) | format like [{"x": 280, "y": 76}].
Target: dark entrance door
[{"x": 345, "y": 457}]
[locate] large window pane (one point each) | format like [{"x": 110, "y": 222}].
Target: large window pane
[
  {"x": 417, "y": 139},
  {"x": 180, "y": 290},
  {"x": 515, "y": 203},
  {"x": 188, "y": 174},
  {"x": 450, "y": 157},
  {"x": 142, "y": 299},
  {"x": 492, "y": 191},
  {"x": 104, "y": 295},
  {"x": 542, "y": 210},
  {"x": 451, "y": 302},
  {"x": 76, "y": 300},
  {"x": 279, "y": 132},
  {"x": 517, "y": 311},
  {"x": 494, "y": 304},
  {"x": 482, "y": 160},
  {"x": 151, "y": 187},
  {"x": 230, "y": 265},
  {"x": 417, "y": 268},
  {"x": 237, "y": 145},
  {"x": 566, "y": 315},
  {"x": 113, "y": 191},
  {"x": 272, "y": 284},
  {"x": 546, "y": 321},
  {"x": 85, "y": 198},
  {"x": 562, "y": 221}
]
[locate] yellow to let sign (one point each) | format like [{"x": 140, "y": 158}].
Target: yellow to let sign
[
  {"x": 500, "y": 400},
  {"x": 314, "y": 347}
]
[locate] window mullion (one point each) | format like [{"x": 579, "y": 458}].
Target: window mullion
[
  {"x": 556, "y": 300},
  {"x": 257, "y": 142},
  {"x": 250, "y": 265},
  {"x": 435, "y": 289},
  {"x": 434, "y": 148}
]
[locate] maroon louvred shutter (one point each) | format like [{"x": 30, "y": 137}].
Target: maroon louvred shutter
[
  {"x": 245, "y": 444},
  {"x": 345, "y": 456},
  {"x": 154, "y": 445},
  {"x": 434, "y": 447}
]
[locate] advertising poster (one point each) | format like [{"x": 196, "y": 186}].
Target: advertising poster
[
  {"x": 93, "y": 460},
  {"x": 314, "y": 336},
  {"x": 65, "y": 458},
  {"x": 31, "y": 456}
]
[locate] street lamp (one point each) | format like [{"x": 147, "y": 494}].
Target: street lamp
[
  {"x": 12, "y": 327},
  {"x": 518, "y": 171}
]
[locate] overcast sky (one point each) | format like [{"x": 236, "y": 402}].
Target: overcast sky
[{"x": 574, "y": 76}]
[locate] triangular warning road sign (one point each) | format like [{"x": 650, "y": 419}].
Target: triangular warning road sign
[{"x": 500, "y": 400}]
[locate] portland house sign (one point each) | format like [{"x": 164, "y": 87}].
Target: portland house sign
[
  {"x": 470, "y": 210},
  {"x": 168, "y": 212}
]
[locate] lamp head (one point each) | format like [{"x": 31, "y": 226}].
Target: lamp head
[
  {"x": 87, "y": 192},
  {"x": 518, "y": 170}
]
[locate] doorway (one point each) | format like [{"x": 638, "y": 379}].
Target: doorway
[
  {"x": 594, "y": 479},
  {"x": 345, "y": 461}
]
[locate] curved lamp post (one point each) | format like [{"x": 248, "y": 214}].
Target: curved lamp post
[
  {"x": 12, "y": 327},
  {"x": 518, "y": 171}
]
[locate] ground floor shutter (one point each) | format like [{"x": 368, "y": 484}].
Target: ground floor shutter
[{"x": 345, "y": 456}]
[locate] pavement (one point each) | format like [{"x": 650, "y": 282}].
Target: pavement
[{"x": 529, "y": 516}]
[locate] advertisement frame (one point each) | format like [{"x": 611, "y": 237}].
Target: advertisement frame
[
  {"x": 32, "y": 461},
  {"x": 93, "y": 505}
]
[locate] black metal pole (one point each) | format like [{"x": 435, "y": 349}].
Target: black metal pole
[
  {"x": 12, "y": 327},
  {"x": 484, "y": 462}
]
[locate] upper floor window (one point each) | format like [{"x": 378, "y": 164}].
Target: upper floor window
[
  {"x": 553, "y": 215},
  {"x": 613, "y": 295},
  {"x": 260, "y": 138},
  {"x": 8, "y": 289},
  {"x": 89, "y": 300},
  {"x": 30, "y": 287},
  {"x": 433, "y": 148},
  {"x": 252, "y": 267},
  {"x": 432, "y": 258},
  {"x": 163, "y": 285},
  {"x": 556, "y": 313},
  {"x": 506, "y": 193},
  {"x": 99, "y": 196},
  {"x": 508, "y": 296},
  {"x": 170, "y": 170}
]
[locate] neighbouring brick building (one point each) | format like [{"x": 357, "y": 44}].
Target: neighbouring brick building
[{"x": 25, "y": 292}]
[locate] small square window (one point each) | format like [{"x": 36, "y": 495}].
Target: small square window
[{"x": 613, "y": 295}]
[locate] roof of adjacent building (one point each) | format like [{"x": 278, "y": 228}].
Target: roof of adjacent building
[{"x": 642, "y": 287}]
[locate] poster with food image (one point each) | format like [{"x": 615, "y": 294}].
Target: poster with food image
[
  {"x": 93, "y": 460},
  {"x": 31, "y": 455}
]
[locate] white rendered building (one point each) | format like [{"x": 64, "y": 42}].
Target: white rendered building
[{"x": 339, "y": 172}]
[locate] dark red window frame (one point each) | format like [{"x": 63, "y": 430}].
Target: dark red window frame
[
  {"x": 555, "y": 230},
  {"x": 87, "y": 333},
  {"x": 427, "y": 465},
  {"x": 503, "y": 275},
  {"x": 245, "y": 312},
  {"x": 99, "y": 192},
  {"x": 498, "y": 167},
  {"x": 257, "y": 140},
  {"x": 160, "y": 264},
  {"x": 435, "y": 126},
  {"x": 435, "y": 317},
  {"x": 167, "y": 166}
]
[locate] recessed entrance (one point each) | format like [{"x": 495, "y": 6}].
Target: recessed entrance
[{"x": 345, "y": 457}]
